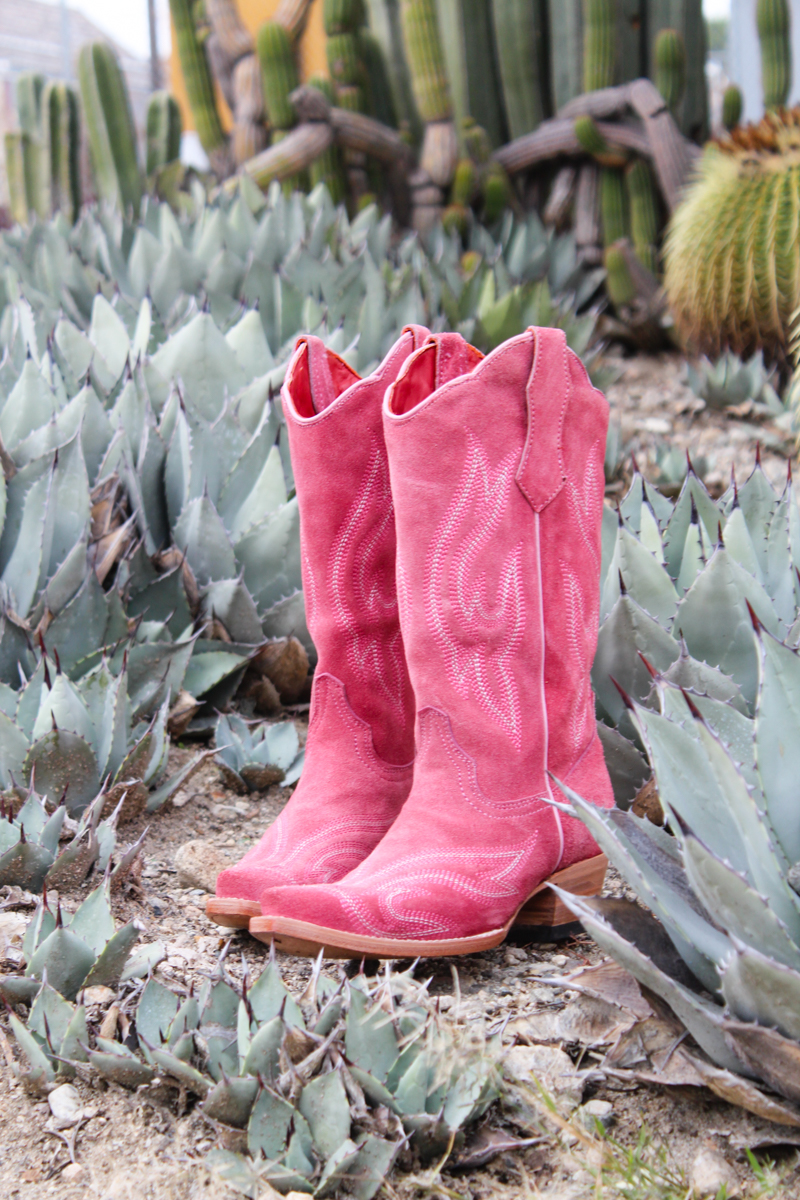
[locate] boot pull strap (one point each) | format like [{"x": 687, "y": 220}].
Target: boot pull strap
[
  {"x": 454, "y": 356},
  {"x": 541, "y": 473},
  {"x": 328, "y": 374}
]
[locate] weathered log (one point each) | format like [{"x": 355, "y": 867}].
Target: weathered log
[
  {"x": 310, "y": 104},
  {"x": 293, "y": 153},
  {"x": 233, "y": 36},
  {"x": 587, "y": 211},
  {"x": 627, "y": 135},
  {"x": 293, "y": 16},
  {"x": 364, "y": 133},
  {"x": 548, "y": 141},
  {"x": 221, "y": 68},
  {"x": 607, "y": 102},
  {"x": 556, "y": 210},
  {"x": 670, "y": 150}
]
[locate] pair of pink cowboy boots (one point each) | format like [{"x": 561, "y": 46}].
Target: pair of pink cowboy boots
[{"x": 450, "y": 509}]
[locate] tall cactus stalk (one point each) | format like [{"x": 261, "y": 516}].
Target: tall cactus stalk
[
  {"x": 381, "y": 98},
  {"x": 61, "y": 136},
  {"x": 164, "y": 128},
  {"x": 199, "y": 86},
  {"x": 684, "y": 17},
  {"x": 599, "y": 44},
  {"x": 109, "y": 123},
  {"x": 467, "y": 38},
  {"x": 732, "y": 105},
  {"x": 520, "y": 45},
  {"x": 565, "y": 50},
  {"x": 426, "y": 60},
  {"x": 384, "y": 22},
  {"x": 278, "y": 76},
  {"x": 613, "y": 205},
  {"x": 15, "y": 176},
  {"x": 774, "y": 27},
  {"x": 30, "y": 87},
  {"x": 328, "y": 168},
  {"x": 670, "y": 56},
  {"x": 643, "y": 208}
]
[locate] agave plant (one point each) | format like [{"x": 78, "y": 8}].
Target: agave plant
[
  {"x": 697, "y": 676},
  {"x": 322, "y": 1090},
  {"x": 65, "y": 954},
  {"x": 729, "y": 381},
  {"x": 251, "y": 759},
  {"x": 29, "y": 844}
]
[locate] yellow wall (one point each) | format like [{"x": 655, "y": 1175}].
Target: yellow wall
[{"x": 254, "y": 13}]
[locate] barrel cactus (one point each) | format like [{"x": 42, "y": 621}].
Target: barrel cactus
[{"x": 732, "y": 259}]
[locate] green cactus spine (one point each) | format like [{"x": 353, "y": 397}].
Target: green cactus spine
[
  {"x": 643, "y": 208},
  {"x": 619, "y": 285},
  {"x": 278, "y": 75},
  {"x": 199, "y": 84},
  {"x": 519, "y": 38},
  {"x": 613, "y": 207},
  {"x": 328, "y": 168},
  {"x": 670, "y": 58},
  {"x": 426, "y": 60},
  {"x": 732, "y": 104},
  {"x": 599, "y": 53},
  {"x": 381, "y": 99},
  {"x": 773, "y": 22},
  {"x": 15, "y": 176},
  {"x": 30, "y": 87},
  {"x": 62, "y": 135},
  {"x": 164, "y": 128},
  {"x": 109, "y": 122}
]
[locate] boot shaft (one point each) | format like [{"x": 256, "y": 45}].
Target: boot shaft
[
  {"x": 497, "y": 476},
  {"x": 347, "y": 533}
]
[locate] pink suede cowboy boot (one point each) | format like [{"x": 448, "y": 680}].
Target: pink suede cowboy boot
[
  {"x": 497, "y": 479},
  {"x": 360, "y": 748}
]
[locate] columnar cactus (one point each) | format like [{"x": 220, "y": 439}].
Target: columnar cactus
[
  {"x": 15, "y": 176},
  {"x": 670, "y": 58},
  {"x": 199, "y": 85},
  {"x": 599, "y": 44},
  {"x": 426, "y": 60},
  {"x": 774, "y": 30},
  {"x": 732, "y": 105},
  {"x": 467, "y": 39},
  {"x": 519, "y": 37},
  {"x": 61, "y": 135},
  {"x": 278, "y": 76},
  {"x": 164, "y": 128},
  {"x": 328, "y": 167},
  {"x": 613, "y": 205},
  {"x": 380, "y": 101},
  {"x": 30, "y": 87},
  {"x": 643, "y": 209},
  {"x": 109, "y": 123}
]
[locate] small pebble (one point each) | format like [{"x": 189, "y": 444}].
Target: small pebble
[
  {"x": 199, "y": 863},
  {"x": 73, "y": 1171},
  {"x": 711, "y": 1172}
]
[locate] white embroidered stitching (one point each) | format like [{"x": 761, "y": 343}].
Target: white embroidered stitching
[{"x": 480, "y": 642}]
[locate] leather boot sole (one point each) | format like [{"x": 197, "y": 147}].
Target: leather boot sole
[
  {"x": 542, "y": 909},
  {"x": 232, "y": 912}
]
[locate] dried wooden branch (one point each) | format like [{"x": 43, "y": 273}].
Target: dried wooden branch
[{"x": 293, "y": 153}]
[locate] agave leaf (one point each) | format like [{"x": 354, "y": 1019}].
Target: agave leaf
[
  {"x": 199, "y": 532},
  {"x": 24, "y": 567},
  {"x": 76, "y": 1037},
  {"x": 75, "y": 347},
  {"x": 287, "y": 618},
  {"x": 628, "y": 632},
  {"x": 108, "y": 334},
  {"x": 693, "y": 498},
  {"x": 13, "y": 750},
  {"x": 205, "y": 671},
  {"x": 67, "y": 580},
  {"x": 756, "y": 988},
  {"x": 370, "y": 1039},
  {"x": 151, "y": 514},
  {"x": 62, "y": 707},
  {"x": 777, "y": 752},
  {"x": 69, "y": 498},
  {"x": 253, "y": 406},
  {"x": 127, "y": 1072},
  {"x": 300, "y": 1153},
  {"x": 270, "y": 556},
  {"x": 79, "y": 629},
  {"x": 37, "y": 1058},
  {"x": 242, "y": 509},
  {"x": 646, "y": 858},
  {"x": 693, "y": 559},
  {"x": 155, "y": 1013},
  {"x": 50, "y": 1016},
  {"x": 602, "y": 919},
  {"x": 51, "y": 832},
  {"x": 372, "y": 1166},
  {"x": 93, "y": 921},
  {"x": 230, "y": 602},
  {"x": 25, "y": 865},
  {"x": 262, "y": 1056},
  {"x": 701, "y": 680},
  {"x": 735, "y": 731},
  {"x": 248, "y": 342},
  {"x": 230, "y": 1101},
  {"x": 163, "y": 600},
  {"x": 414, "y": 1089},
  {"x": 155, "y": 671},
  {"x": 67, "y": 960},
  {"x": 178, "y": 469},
  {"x": 106, "y": 698},
  {"x": 39, "y": 928},
  {"x": 63, "y": 761},
  {"x": 280, "y": 744},
  {"x": 185, "y": 1074},
  {"x": 199, "y": 355},
  {"x": 167, "y": 789},
  {"x": 144, "y": 960},
  {"x": 734, "y": 905},
  {"x": 30, "y": 404},
  {"x": 324, "y": 1104},
  {"x": 17, "y": 989},
  {"x": 235, "y": 1172},
  {"x": 112, "y": 959},
  {"x": 757, "y": 500},
  {"x": 337, "y": 1169},
  {"x": 268, "y": 997},
  {"x": 471, "y": 1092}
]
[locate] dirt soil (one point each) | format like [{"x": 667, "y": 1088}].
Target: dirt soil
[{"x": 133, "y": 1146}]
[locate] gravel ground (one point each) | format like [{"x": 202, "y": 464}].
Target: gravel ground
[{"x": 136, "y": 1146}]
